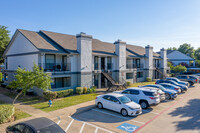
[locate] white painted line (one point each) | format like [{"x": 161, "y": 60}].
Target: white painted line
[
  {"x": 150, "y": 112},
  {"x": 59, "y": 120},
  {"x": 96, "y": 130},
  {"x": 92, "y": 125},
  {"x": 69, "y": 125},
  {"x": 82, "y": 127},
  {"x": 118, "y": 116}
]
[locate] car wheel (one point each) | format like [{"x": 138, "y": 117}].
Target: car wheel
[
  {"x": 143, "y": 104},
  {"x": 99, "y": 105},
  {"x": 167, "y": 96},
  {"x": 190, "y": 83},
  {"x": 124, "y": 112}
]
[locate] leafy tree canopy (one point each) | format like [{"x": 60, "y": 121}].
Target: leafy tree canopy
[
  {"x": 180, "y": 69},
  {"x": 187, "y": 49},
  {"x": 27, "y": 79},
  {"x": 4, "y": 40},
  {"x": 172, "y": 48}
]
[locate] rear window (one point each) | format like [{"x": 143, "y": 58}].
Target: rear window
[{"x": 148, "y": 93}]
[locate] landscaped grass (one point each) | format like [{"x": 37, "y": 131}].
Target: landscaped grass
[
  {"x": 141, "y": 83},
  {"x": 64, "y": 102}
]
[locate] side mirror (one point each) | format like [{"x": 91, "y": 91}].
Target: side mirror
[{"x": 118, "y": 102}]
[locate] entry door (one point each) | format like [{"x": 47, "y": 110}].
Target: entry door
[
  {"x": 64, "y": 63},
  {"x": 102, "y": 63}
]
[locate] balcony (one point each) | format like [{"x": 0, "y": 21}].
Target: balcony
[
  {"x": 55, "y": 67},
  {"x": 156, "y": 65},
  {"x": 102, "y": 66},
  {"x": 132, "y": 66}
]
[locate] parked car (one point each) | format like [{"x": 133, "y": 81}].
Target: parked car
[
  {"x": 160, "y": 92},
  {"x": 145, "y": 97},
  {"x": 38, "y": 125},
  {"x": 178, "y": 81},
  {"x": 169, "y": 94},
  {"x": 171, "y": 87},
  {"x": 183, "y": 87},
  {"x": 118, "y": 103},
  {"x": 191, "y": 80}
]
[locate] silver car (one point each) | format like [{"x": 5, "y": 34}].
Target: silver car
[{"x": 172, "y": 87}]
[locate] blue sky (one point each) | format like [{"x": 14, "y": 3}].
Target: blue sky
[{"x": 160, "y": 23}]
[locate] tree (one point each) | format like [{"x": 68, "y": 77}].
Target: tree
[
  {"x": 172, "y": 48},
  {"x": 170, "y": 65},
  {"x": 180, "y": 69},
  {"x": 4, "y": 40},
  {"x": 27, "y": 79},
  {"x": 187, "y": 49},
  {"x": 197, "y": 54}
]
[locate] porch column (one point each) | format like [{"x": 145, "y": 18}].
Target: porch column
[
  {"x": 43, "y": 60},
  {"x": 99, "y": 63},
  {"x": 99, "y": 80},
  {"x": 106, "y": 65}
]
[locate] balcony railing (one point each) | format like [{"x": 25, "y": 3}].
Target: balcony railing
[
  {"x": 51, "y": 67},
  {"x": 103, "y": 67},
  {"x": 156, "y": 65},
  {"x": 132, "y": 66}
]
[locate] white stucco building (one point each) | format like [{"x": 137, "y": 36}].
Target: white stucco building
[{"x": 80, "y": 60}]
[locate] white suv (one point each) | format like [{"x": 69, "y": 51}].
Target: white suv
[{"x": 145, "y": 97}]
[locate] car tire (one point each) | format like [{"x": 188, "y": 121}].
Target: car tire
[
  {"x": 190, "y": 82},
  {"x": 100, "y": 105},
  {"x": 124, "y": 112},
  {"x": 144, "y": 104},
  {"x": 167, "y": 97}
]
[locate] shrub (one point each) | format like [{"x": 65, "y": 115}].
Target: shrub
[
  {"x": 128, "y": 83},
  {"x": 90, "y": 90},
  {"x": 79, "y": 90},
  {"x": 84, "y": 90},
  {"x": 6, "y": 113},
  {"x": 1, "y": 77},
  {"x": 93, "y": 89},
  {"x": 49, "y": 95},
  {"x": 64, "y": 93},
  {"x": 148, "y": 79}
]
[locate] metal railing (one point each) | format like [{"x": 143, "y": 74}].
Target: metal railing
[
  {"x": 51, "y": 67},
  {"x": 131, "y": 66},
  {"x": 109, "y": 66},
  {"x": 156, "y": 65}
]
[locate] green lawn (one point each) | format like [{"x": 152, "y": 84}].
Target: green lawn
[
  {"x": 141, "y": 83},
  {"x": 64, "y": 102}
]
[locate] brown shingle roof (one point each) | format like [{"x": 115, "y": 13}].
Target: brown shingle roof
[{"x": 51, "y": 41}]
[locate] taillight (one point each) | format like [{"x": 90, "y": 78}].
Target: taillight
[
  {"x": 96, "y": 97},
  {"x": 176, "y": 88},
  {"x": 196, "y": 80},
  {"x": 152, "y": 98},
  {"x": 155, "y": 83}
]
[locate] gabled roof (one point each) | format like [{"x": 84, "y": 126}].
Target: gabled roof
[
  {"x": 175, "y": 54},
  {"x": 47, "y": 41}
]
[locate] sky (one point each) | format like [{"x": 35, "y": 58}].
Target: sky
[{"x": 159, "y": 23}]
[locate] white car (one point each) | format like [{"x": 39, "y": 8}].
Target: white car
[
  {"x": 160, "y": 92},
  {"x": 118, "y": 103},
  {"x": 145, "y": 97}
]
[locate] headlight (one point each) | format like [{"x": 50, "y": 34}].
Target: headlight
[{"x": 131, "y": 108}]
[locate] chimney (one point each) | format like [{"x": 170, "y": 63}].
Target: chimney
[
  {"x": 163, "y": 55},
  {"x": 149, "y": 55}
]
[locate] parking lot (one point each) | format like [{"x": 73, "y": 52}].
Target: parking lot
[{"x": 179, "y": 115}]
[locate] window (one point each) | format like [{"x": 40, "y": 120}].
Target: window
[
  {"x": 113, "y": 99},
  {"x": 27, "y": 130},
  {"x": 139, "y": 74},
  {"x": 19, "y": 128},
  {"x": 148, "y": 93},
  {"x": 126, "y": 92},
  {"x": 129, "y": 75},
  {"x": 106, "y": 97},
  {"x": 50, "y": 58},
  {"x": 135, "y": 92},
  {"x": 67, "y": 82}
]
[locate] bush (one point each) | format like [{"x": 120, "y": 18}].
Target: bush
[
  {"x": 6, "y": 113},
  {"x": 128, "y": 83},
  {"x": 49, "y": 95},
  {"x": 79, "y": 90},
  {"x": 1, "y": 77},
  {"x": 90, "y": 90},
  {"x": 84, "y": 90},
  {"x": 148, "y": 79},
  {"x": 64, "y": 93}
]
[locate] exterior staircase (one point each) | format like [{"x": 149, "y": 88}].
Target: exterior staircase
[
  {"x": 113, "y": 85},
  {"x": 164, "y": 75}
]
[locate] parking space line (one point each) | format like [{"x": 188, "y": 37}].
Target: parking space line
[
  {"x": 59, "y": 120},
  {"x": 91, "y": 125},
  {"x": 96, "y": 130},
  {"x": 82, "y": 127},
  {"x": 69, "y": 125},
  {"x": 118, "y": 116},
  {"x": 150, "y": 112}
]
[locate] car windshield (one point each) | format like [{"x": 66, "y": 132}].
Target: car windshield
[
  {"x": 162, "y": 88},
  {"x": 124, "y": 99},
  {"x": 51, "y": 129}
]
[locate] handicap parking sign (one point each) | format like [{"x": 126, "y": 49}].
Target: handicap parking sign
[{"x": 128, "y": 127}]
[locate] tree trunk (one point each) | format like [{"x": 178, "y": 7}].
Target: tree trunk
[{"x": 17, "y": 97}]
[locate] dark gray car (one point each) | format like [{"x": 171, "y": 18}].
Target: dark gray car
[
  {"x": 178, "y": 81},
  {"x": 38, "y": 125},
  {"x": 188, "y": 78}
]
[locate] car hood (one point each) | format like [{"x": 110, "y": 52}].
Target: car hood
[
  {"x": 133, "y": 105},
  {"x": 170, "y": 91},
  {"x": 183, "y": 82}
]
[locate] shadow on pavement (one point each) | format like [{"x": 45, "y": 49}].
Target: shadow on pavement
[{"x": 191, "y": 112}]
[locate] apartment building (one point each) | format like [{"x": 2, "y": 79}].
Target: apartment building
[{"x": 81, "y": 60}]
